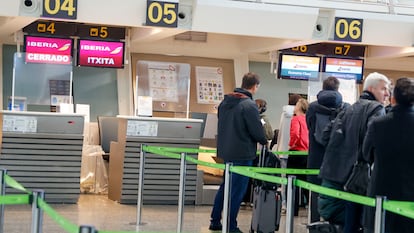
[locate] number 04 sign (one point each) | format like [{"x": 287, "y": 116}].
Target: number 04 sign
[
  {"x": 61, "y": 9},
  {"x": 348, "y": 29}
]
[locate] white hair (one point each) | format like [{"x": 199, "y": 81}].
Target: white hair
[{"x": 374, "y": 78}]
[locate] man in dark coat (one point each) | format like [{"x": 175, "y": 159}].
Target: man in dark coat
[
  {"x": 239, "y": 131},
  {"x": 320, "y": 113},
  {"x": 388, "y": 144},
  {"x": 345, "y": 143}
]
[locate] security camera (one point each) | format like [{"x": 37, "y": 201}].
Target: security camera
[{"x": 28, "y": 3}]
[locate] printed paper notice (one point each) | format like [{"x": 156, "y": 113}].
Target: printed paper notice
[
  {"x": 142, "y": 128},
  {"x": 209, "y": 85},
  {"x": 23, "y": 124},
  {"x": 163, "y": 82},
  {"x": 144, "y": 106}
]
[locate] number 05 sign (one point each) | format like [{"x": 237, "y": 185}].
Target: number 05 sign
[
  {"x": 348, "y": 29},
  {"x": 162, "y": 14}
]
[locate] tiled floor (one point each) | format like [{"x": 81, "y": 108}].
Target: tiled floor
[{"x": 109, "y": 216}]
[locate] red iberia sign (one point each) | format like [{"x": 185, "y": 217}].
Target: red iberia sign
[{"x": 48, "y": 50}]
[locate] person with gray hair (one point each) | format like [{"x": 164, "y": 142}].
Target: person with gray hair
[
  {"x": 388, "y": 145},
  {"x": 345, "y": 147}
]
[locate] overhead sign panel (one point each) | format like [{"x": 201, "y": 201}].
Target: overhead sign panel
[
  {"x": 48, "y": 50},
  {"x": 95, "y": 53}
]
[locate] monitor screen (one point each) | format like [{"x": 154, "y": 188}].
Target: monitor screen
[
  {"x": 345, "y": 68},
  {"x": 109, "y": 54},
  {"x": 49, "y": 50},
  {"x": 299, "y": 67}
]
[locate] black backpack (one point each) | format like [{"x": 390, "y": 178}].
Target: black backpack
[
  {"x": 271, "y": 161},
  {"x": 323, "y": 117}
]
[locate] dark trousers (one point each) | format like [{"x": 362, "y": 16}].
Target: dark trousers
[
  {"x": 314, "y": 213},
  {"x": 298, "y": 161},
  {"x": 238, "y": 187},
  {"x": 353, "y": 217}
]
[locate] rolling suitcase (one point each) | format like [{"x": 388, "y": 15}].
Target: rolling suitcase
[{"x": 267, "y": 199}]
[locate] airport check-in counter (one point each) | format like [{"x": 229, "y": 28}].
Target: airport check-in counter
[
  {"x": 43, "y": 151},
  {"x": 162, "y": 174}
]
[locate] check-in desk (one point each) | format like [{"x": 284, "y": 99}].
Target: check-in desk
[
  {"x": 161, "y": 174},
  {"x": 43, "y": 151}
]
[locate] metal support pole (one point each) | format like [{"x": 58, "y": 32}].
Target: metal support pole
[
  {"x": 87, "y": 229},
  {"x": 181, "y": 193},
  {"x": 227, "y": 198},
  {"x": 379, "y": 215},
  {"x": 140, "y": 184},
  {"x": 290, "y": 204},
  {"x": 37, "y": 213},
  {"x": 3, "y": 172}
]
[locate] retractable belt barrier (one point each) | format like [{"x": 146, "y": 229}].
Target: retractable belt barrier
[{"x": 36, "y": 197}]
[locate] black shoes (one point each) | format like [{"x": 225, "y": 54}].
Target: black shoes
[
  {"x": 237, "y": 230},
  {"x": 215, "y": 227},
  {"x": 219, "y": 227}
]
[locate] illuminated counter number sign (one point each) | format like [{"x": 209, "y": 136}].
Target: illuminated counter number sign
[
  {"x": 100, "y": 32},
  {"x": 163, "y": 14},
  {"x": 60, "y": 9},
  {"x": 51, "y": 28},
  {"x": 348, "y": 29}
]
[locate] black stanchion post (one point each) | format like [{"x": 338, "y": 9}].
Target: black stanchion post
[
  {"x": 87, "y": 229},
  {"x": 227, "y": 197},
  {"x": 181, "y": 195},
  {"x": 3, "y": 172},
  {"x": 140, "y": 184},
  {"x": 379, "y": 215},
  {"x": 37, "y": 213},
  {"x": 290, "y": 203}
]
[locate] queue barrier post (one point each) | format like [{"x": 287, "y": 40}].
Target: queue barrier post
[
  {"x": 87, "y": 229},
  {"x": 140, "y": 184},
  {"x": 3, "y": 172},
  {"x": 227, "y": 197},
  {"x": 37, "y": 212},
  {"x": 181, "y": 195},
  {"x": 290, "y": 202},
  {"x": 379, "y": 215}
]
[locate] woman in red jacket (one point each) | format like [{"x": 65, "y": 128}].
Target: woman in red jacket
[{"x": 299, "y": 141}]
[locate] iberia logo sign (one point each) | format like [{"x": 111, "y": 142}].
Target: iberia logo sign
[
  {"x": 101, "y": 53},
  {"x": 48, "y": 50}
]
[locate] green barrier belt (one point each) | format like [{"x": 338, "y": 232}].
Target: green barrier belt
[
  {"x": 65, "y": 224},
  {"x": 285, "y": 171},
  {"x": 208, "y": 164},
  {"x": 195, "y": 151},
  {"x": 186, "y": 150},
  {"x": 243, "y": 170},
  {"x": 14, "y": 184},
  {"x": 336, "y": 193},
  {"x": 403, "y": 208},
  {"x": 15, "y": 199},
  {"x": 156, "y": 150},
  {"x": 291, "y": 152}
]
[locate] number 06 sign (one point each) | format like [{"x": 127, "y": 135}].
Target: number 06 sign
[{"x": 348, "y": 29}]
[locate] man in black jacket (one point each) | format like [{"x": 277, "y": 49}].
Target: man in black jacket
[
  {"x": 344, "y": 147},
  {"x": 388, "y": 144},
  {"x": 239, "y": 131},
  {"x": 320, "y": 113}
]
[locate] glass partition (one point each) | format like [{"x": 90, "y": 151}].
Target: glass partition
[{"x": 41, "y": 84}]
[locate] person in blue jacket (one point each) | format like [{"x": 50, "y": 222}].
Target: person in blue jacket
[{"x": 239, "y": 131}]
